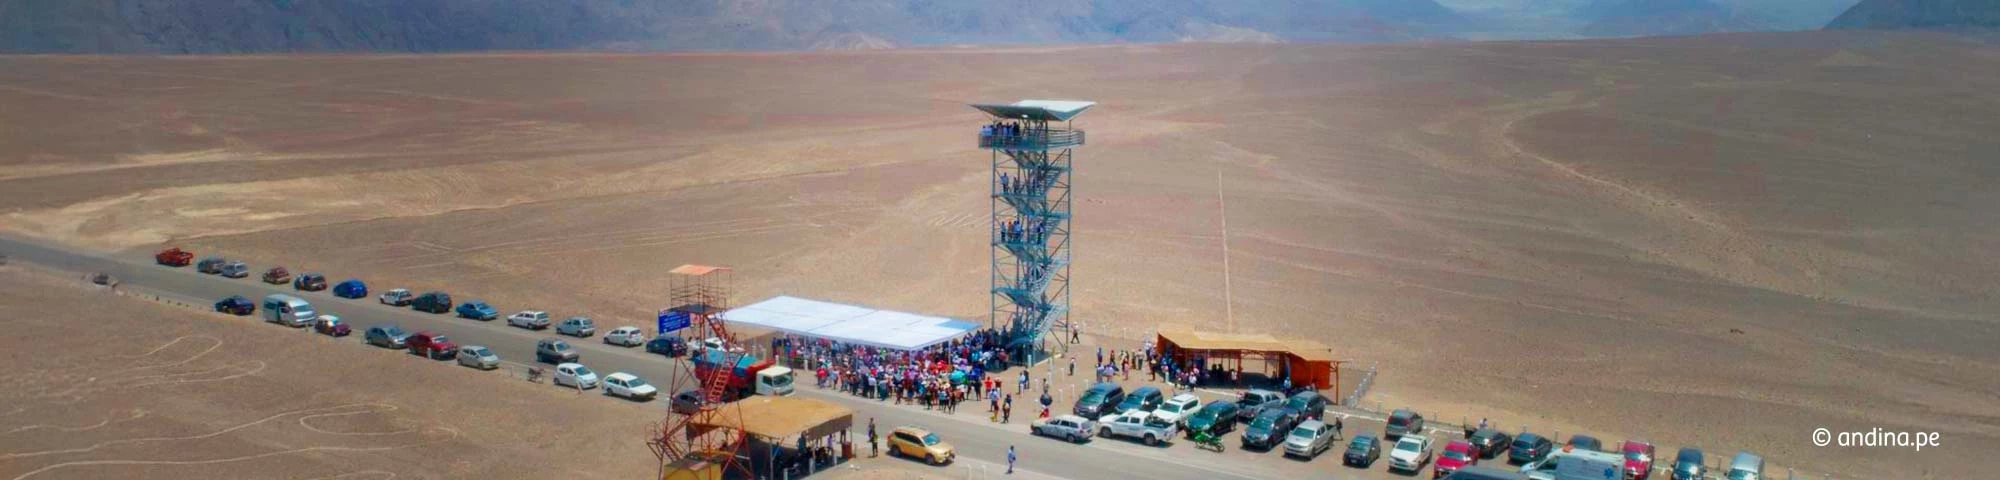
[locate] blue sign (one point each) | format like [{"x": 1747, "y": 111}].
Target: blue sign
[{"x": 671, "y": 321}]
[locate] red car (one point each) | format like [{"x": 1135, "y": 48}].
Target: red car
[
  {"x": 433, "y": 345},
  {"x": 331, "y": 326},
  {"x": 174, "y": 257},
  {"x": 1638, "y": 459},
  {"x": 1459, "y": 454}
]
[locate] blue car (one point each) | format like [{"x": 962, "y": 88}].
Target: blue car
[
  {"x": 236, "y": 305},
  {"x": 352, "y": 288},
  {"x": 478, "y": 310}
]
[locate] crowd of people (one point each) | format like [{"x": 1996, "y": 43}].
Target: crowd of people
[
  {"x": 938, "y": 377},
  {"x": 1161, "y": 367}
]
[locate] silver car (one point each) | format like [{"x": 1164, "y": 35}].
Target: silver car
[
  {"x": 580, "y": 327},
  {"x": 479, "y": 357},
  {"x": 1309, "y": 439},
  {"x": 625, "y": 337}
]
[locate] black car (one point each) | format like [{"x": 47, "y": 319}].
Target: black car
[
  {"x": 210, "y": 265},
  {"x": 433, "y": 302},
  {"x": 1586, "y": 442},
  {"x": 1363, "y": 451},
  {"x": 669, "y": 346},
  {"x": 1270, "y": 428},
  {"x": 1529, "y": 447},
  {"x": 1490, "y": 442},
  {"x": 236, "y": 305}
]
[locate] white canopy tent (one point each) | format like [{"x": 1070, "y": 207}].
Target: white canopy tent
[{"x": 850, "y": 324}]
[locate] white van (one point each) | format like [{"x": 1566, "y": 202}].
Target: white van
[{"x": 289, "y": 311}]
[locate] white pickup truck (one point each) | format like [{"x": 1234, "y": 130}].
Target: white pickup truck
[{"x": 1138, "y": 424}]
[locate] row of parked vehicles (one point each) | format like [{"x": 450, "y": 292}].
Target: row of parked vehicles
[{"x": 1296, "y": 423}]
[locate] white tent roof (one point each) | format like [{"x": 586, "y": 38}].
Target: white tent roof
[
  {"x": 850, "y": 324},
  {"x": 1050, "y": 110}
]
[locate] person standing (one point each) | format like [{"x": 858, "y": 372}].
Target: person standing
[
  {"x": 874, "y": 449},
  {"x": 1010, "y": 459},
  {"x": 1007, "y": 409},
  {"x": 1072, "y": 366}
]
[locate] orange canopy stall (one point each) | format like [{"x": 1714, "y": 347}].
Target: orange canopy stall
[{"x": 1309, "y": 363}]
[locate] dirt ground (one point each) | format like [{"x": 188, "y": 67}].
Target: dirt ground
[
  {"x": 1718, "y": 241},
  {"x": 104, "y": 386}
]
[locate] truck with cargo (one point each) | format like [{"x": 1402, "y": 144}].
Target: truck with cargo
[{"x": 747, "y": 374}]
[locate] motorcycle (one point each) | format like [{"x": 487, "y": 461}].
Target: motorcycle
[{"x": 1203, "y": 439}]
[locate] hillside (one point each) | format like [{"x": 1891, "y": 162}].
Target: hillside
[
  {"x": 1646, "y": 18},
  {"x": 1919, "y": 14},
  {"x": 256, "y": 26}
]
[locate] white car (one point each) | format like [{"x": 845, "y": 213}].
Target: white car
[
  {"x": 625, "y": 337},
  {"x": 1177, "y": 409},
  {"x": 630, "y": 386},
  {"x": 398, "y": 297},
  {"x": 529, "y": 319},
  {"x": 1412, "y": 453},
  {"x": 575, "y": 375}
]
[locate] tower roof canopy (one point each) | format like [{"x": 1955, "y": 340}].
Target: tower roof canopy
[{"x": 1047, "y": 110}]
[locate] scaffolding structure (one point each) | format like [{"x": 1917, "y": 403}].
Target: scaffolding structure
[
  {"x": 1031, "y": 145},
  {"x": 688, "y": 445}
]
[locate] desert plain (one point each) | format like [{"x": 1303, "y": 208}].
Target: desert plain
[{"x": 1723, "y": 241}]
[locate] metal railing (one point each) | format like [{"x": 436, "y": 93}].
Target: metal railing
[{"x": 1031, "y": 139}]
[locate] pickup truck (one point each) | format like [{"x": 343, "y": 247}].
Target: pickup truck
[
  {"x": 1138, "y": 424},
  {"x": 1073, "y": 428},
  {"x": 174, "y": 257}
]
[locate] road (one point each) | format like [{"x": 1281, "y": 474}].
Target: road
[{"x": 974, "y": 437}]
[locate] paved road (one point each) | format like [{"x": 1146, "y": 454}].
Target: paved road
[{"x": 975, "y": 438}]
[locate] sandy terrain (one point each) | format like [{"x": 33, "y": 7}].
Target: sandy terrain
[
  {"x": 116, "y": 387},
  {"x": 1720, "y": 241}
]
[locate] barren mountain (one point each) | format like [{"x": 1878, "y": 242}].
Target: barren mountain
[{"x": 1911, "y": 14}]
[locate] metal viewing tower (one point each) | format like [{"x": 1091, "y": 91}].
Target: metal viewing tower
[{"x": 1031, "y": 144}]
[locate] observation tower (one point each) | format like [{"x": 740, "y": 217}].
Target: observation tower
[{"x": 1031, "y": 144}]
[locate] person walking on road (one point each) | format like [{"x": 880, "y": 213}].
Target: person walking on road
[
  {"x": 1007, "y": 409},
  {"x": 1010, "y": 459},
  {"x": 874, "y": 449}
]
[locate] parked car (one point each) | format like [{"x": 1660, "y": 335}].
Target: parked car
[
  {"x": 1099, "y": 400},
  {"x": 1638, "y": 459},
  {"x": 579, "y": 327},
  {"x": 1308, "y": 439},
  {"x": 1310, "y": 404},
  {"x": 625, "y": 337},
  {"x": 1411, "y": 454},
  {"x": 1073, "y": 428},
  {"x": 397, "y": 297},
  {"x": 1270, "y": 428},
  {"x": 1177, "y": 409},
  {"x": 350, "y": 288},
  {"x": 289, "y": 311},
  {"x": 1528, "y": 448},
  {"x": 1363, "y": 451},
  {"x": 1215, "y": 418},
  {"x": 1138, "y": 424},
  {"x": 1457, "y": 454},
  {"x": 671, "y": 347},
  {"x": 1145, "y": 399},
  {"x": 1484, "y": 473},
  {"x": 1491, "y": 442},
  {"x": 236, "y": 305},
  {"x": 630, "y": 386},
  {"x": 1403, "y": 422},
  {"x": 1690, "y": 464},
  {"x": 277, "y": 275},
  {"x": 477, "y": 310},
  {"x": 529, "y": 319},
  {"x": 575, "y": 375},
  {"x": 550, "y": 350},
  {"x": 1746, "y": 466},
  {"x": 479, "y": 357},
  {"x": 432, "y": 345},
  {"x": 174, "y": 257},
  {"x": 331, "y": 326},
  {"x": 432, "y": 302},
  {"x": 387, "y": 336},
  {"x": 913, "y": 442},
  {"x": 1584, "y": 442},
  {"x": 236, "y": 270},
  {"x": 687, "y": 402},
  {"x": 311, "y": 282},
  {"x": 211, "y": 265},
  {"x": 1253, "y": 403}
]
